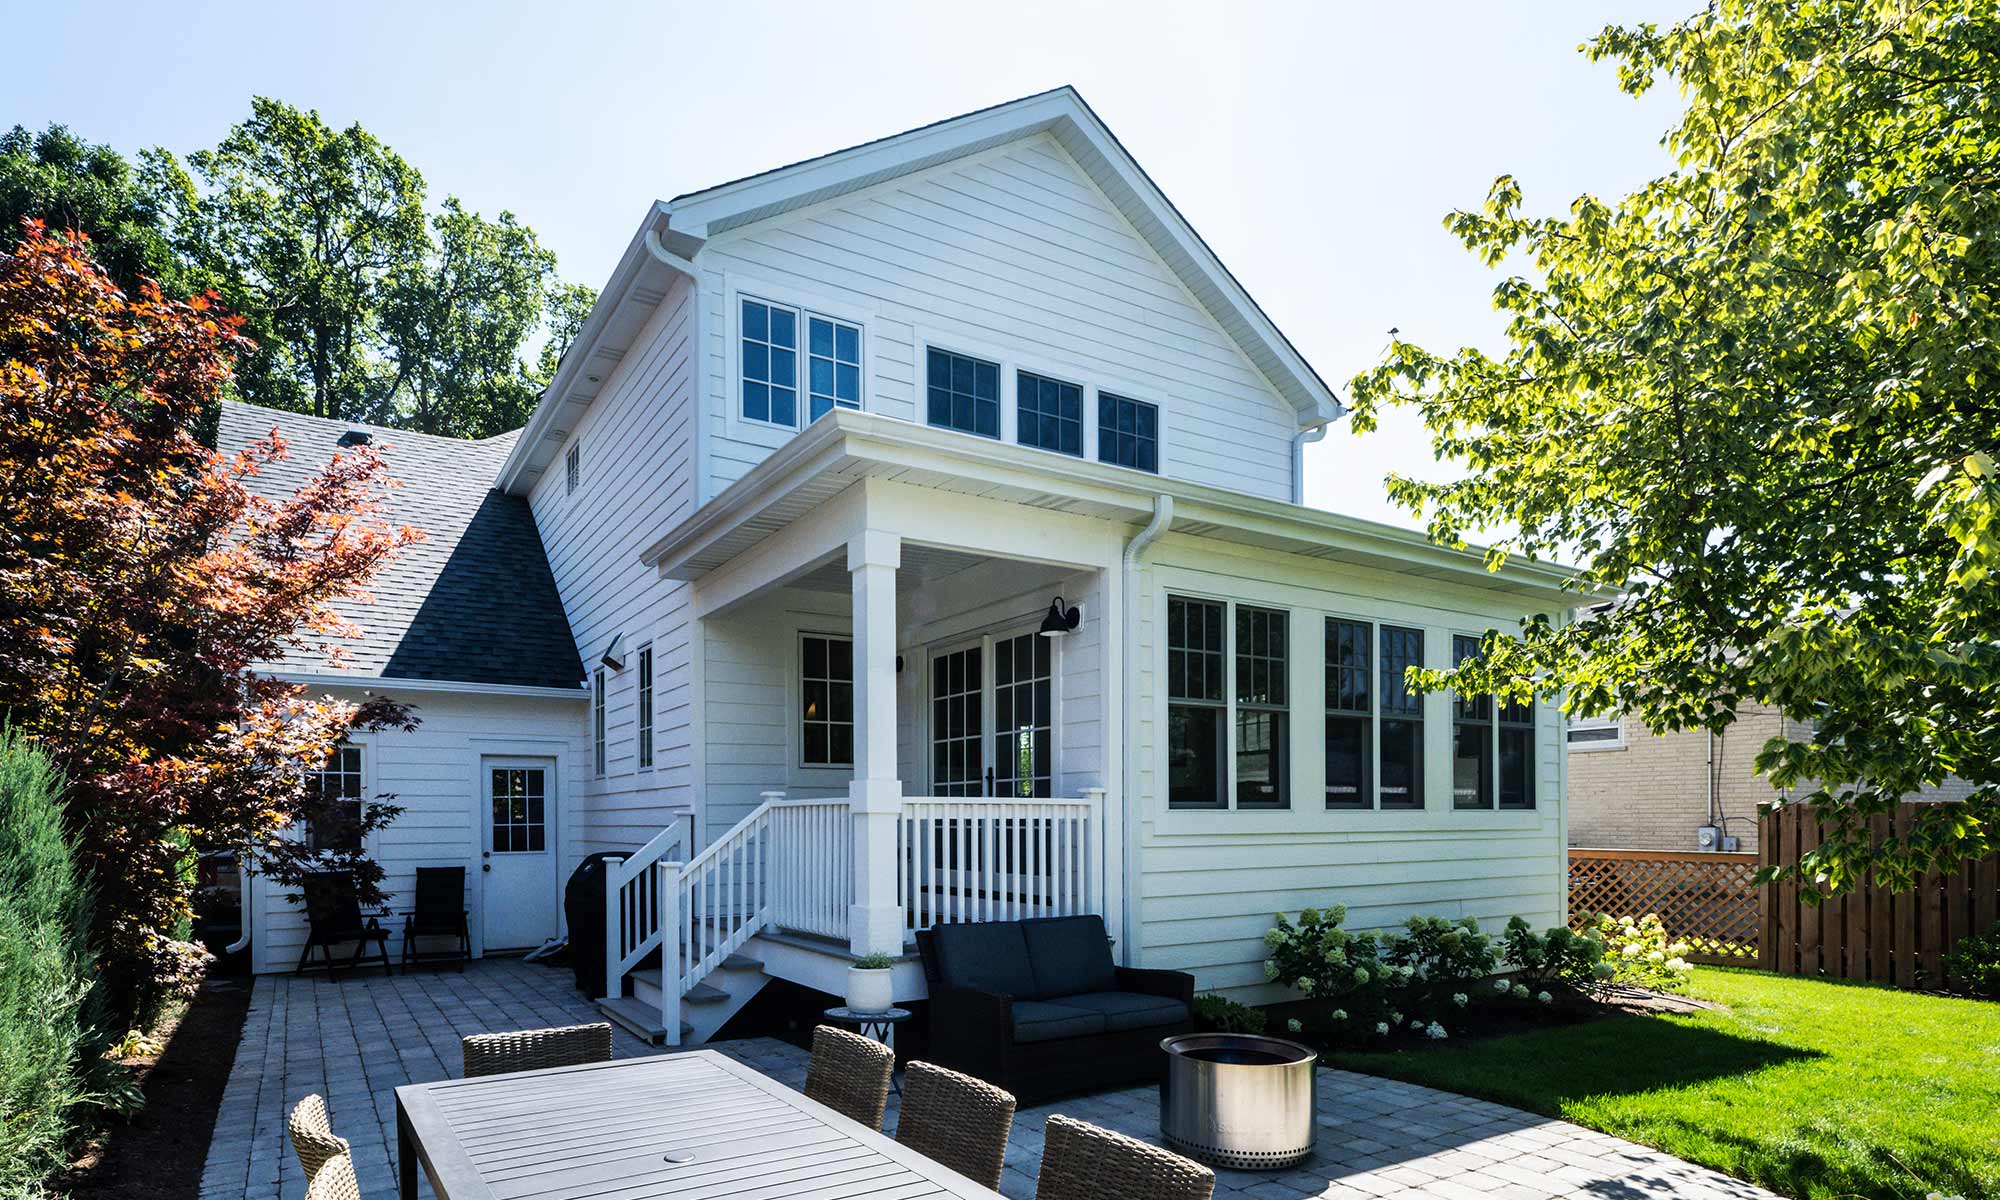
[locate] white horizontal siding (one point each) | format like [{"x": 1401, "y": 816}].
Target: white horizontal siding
[
  {"x": 1210, "y": 882},
  {"x": 638, "y": 482},
  {"x": 433, "y": 772},
  {"x": 1013, "y": 253}
]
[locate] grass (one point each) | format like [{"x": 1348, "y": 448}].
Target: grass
[{"x": 1811, "y": 1088}]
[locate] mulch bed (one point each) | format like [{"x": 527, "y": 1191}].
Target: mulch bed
[
  {"x": 158, "y": 1154},
  {"x": 1491, "y": 1020}
]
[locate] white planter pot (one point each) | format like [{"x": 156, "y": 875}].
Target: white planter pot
[{"x": 868, "y": 991}]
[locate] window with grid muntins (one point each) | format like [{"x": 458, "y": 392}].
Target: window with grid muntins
[
  {"x": 1263, "y": 719},
  {"x": 1350, "y": 715},
  {"x": 826, "y": 710},
  {"x": 1023, "y": 717},
  {"x": 337, "y": 825},
  {"x": 1402, "y": 719},
  {"x": 645, "y": 716},
  {"x": 519, "y": 810},
  {"x": 1196, "y": 703},
  {"x": 770, "y": 347},
  {"x": 1516, "y": 737},
  {"x": 1048, "y": 413},
  {"x": 833, "y": 366},
  {"x": 597, "y": 720},
  {"x": 1471, "y": 738},
  {"x": 963, "y": 393},
  {"x": 572, "y": 468},
  {"x": 1128, "y": 432}
]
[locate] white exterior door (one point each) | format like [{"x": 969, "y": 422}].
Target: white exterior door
[
  {"x": 519, "y": 865},
  {"x": 992, "y": 727}
]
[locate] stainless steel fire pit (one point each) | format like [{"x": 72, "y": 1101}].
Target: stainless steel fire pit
[{"x": 1238, "y": 1099}]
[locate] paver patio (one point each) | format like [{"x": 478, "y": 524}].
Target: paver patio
[{"x": 357, "y": 1040}]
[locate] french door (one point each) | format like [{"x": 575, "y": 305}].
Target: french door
[{"x": 993, "y": 717}]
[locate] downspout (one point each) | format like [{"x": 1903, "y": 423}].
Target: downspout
[
  {"x": 1163, "y": 516},
  {"x": 1299, "y": 441},
  {"x": 243, "y": 910}
]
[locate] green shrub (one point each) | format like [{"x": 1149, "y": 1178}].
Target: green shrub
[
  {"x": 1559, "y": 958},
  {"x": 1436, "y": 964},
  {"x": 1974, "y": 964},
  {"x": 1340, "y": 970},
  {"x": 49, "y": 1046},
  {"x": 1641, "y": 954},
  {"x": 1220, "y": 1014}
]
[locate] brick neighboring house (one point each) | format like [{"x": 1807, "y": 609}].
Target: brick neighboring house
[{"x": 1630, "y": 789}]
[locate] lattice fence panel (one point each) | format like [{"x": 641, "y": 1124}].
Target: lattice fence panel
[{"x": 1705, "y": 900}]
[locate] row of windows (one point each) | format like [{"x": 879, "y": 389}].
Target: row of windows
[
  {"x": 1374, "y": 722},
  {"x": 961, "y": 392}
]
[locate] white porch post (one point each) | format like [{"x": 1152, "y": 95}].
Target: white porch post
[{"x": 875, "y": 922}]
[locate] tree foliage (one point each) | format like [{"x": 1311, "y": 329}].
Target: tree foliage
[
  {"x": 140, "y": 580},
  {"x": 68, "y": 183},
  {"x": 1758, "y": 395}
]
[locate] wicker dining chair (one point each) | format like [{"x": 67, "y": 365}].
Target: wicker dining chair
[
  {"x": 533, "y": 1049},
  {"x": 850, "y": 1074},
  {"x": 313, "y": 1139},
  {"x": 956, "y": 1120},
  {"x": 335, "y": 1181},
  {"x": 1082, "y": 1162}
]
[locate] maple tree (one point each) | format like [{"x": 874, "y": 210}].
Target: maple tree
[{"x": 141, "y": 579}]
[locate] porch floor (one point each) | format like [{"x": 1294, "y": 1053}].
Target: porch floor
[{"x": 357, "y": 1040}]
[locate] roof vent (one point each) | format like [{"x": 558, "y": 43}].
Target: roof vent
[{"x": 356, "y": 437}]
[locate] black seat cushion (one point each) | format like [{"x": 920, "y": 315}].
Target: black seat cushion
[
  {"x": 1069, "y": 955},
  {"x": 1040, "y": 1021},
  {"x": 989, "y": 957},
  {"x": 1127, "y": 1010}
]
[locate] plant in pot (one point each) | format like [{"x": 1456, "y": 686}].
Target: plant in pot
[{"x": 868, "y": 983}]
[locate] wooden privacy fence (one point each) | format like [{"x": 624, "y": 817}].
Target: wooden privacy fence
[
  {"x": 1706, "y": 900},
  {"x": 1870, "y": 933}
]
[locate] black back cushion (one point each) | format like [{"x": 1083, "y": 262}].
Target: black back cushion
[
  {"x": 990, "y": 957},
  {"x": 1070, "y": 956}
]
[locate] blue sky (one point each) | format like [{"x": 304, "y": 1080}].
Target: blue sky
[{"x": 1316, "y": 146}]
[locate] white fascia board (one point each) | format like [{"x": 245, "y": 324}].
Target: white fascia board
[
  {"x": 378, "y": 683},
  {"x": 842, "y": 437},
  {"x": 1062, "y": 112}
]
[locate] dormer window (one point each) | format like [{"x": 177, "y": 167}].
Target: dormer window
[{"x": 964, "y": 393}]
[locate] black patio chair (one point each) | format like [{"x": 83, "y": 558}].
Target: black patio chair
[
  {"x": 333, "y": 917},
  {"x": 440, "y": 913}
]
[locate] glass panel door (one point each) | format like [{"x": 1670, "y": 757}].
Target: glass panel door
[
  {"x": 1023, "y": 726},
  {"x": 957, "y": 726}
]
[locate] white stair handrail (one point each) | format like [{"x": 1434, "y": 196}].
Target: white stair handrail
[{"x": 633, "y": 920}]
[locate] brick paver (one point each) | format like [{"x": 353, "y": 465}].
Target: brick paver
[{"x": 357, "y": 1040}]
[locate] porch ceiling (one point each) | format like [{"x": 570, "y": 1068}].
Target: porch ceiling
[{"x": 844, "y": 448}]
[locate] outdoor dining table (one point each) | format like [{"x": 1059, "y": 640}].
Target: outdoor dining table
[{"x": 689, "y": 1126}]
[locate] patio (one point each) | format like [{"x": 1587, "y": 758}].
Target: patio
[{"x": 356, "y": 1040}]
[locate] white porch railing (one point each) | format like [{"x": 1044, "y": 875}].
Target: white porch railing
[
  {"x": 790, "y": 865},
  {"x": 980, "y": 859}
]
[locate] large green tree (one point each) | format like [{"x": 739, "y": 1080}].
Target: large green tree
[
  {"x": 66, "y": 182},
  {"x": 1758, "y": 395}
]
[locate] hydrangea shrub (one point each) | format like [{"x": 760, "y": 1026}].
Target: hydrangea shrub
[
  {"x": 1324, "y": 962},
  {"x": 1641, "y": 954}
]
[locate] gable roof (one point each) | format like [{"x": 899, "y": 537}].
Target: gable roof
[
  {"x": 474, "y": 602},
  {"x": 674, "y": 231}
]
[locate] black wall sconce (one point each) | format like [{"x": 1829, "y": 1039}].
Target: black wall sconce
[{"x": 1061, "y": 620}]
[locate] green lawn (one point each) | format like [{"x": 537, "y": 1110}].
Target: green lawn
[{"x": 1810, "y": 1088}]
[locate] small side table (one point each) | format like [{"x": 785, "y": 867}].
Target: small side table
[{"x": 877, "y": 1025}]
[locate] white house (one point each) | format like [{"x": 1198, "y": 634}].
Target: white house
[{"x": 806, "y": 486}]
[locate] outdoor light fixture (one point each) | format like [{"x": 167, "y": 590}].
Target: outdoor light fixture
[
  {"x": 614, "y": 654},
  {"x": 1061, "y": 620}
]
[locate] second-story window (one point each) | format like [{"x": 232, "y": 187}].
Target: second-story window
[
  {"x": 770, "y": 337},
  {"x": 833, "y": 366},
  {"x": 572, "y": 468},
  {"x": 1128, "y": 433},
  {"x": 597, "y": 721},
  {"x": 963, "y": 393},
  {"x": 1049, "y": 413}
]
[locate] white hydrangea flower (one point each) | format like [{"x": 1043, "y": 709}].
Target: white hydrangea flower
[
  {"x": 1395, "y": 1018},
  {"x": 1294, "y": 1026},
  {"x": 1340, "y": 1014},
  {"x": 1656, "y": 956},
  {"x": 1502, "y": 986},
  {"x": 1520, "y": 991},
  {"x": 1632, "y": 949},
  {"x": 1460, "y": 999},
  {"x": 1544, "y": 998},
  {"x": 1677, "y": 965},
  {"x": 1305, "y": 984},
  {"x": 1271, "y": 970},
  {"x": 1382, "y": 1028},
  {"x": 1416, "y": 1022},
  {"x": 1361, "y": 976},
  {"x": 1436, "y": 1031}
]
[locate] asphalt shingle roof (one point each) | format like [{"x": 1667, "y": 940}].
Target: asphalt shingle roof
[{"x": 474, "y": 602}]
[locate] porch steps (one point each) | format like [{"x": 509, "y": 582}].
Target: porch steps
[
  {"x": 640, "y": 1019},
  {"x": 707, "y": 1006}
]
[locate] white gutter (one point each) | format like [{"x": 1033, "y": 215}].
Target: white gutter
[
  {"x": 1299, "y": 441},
  {"x": 1163, "y": 516},
  {"x": 658, "y": 249},
  {"x": 378, "y": 683},
  {"x": 243, "y": 910}
]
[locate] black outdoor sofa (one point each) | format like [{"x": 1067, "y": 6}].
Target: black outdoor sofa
[{"x": 1038, "y": 1007}]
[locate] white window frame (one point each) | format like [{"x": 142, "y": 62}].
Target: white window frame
[
  {"x": 1615, "y": 742},
  {"x": 1159, "y": 470},
  {"x": 645, "y": 685},
  {"x": 983, "y": 637},
  {"x": 1230, "y": 704},
  {"x": 804, "y": 304},
  {"x": 599, "y": 760},
  {"x": 572, "y": 467},
  {"x": 365, "y": 777}
]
